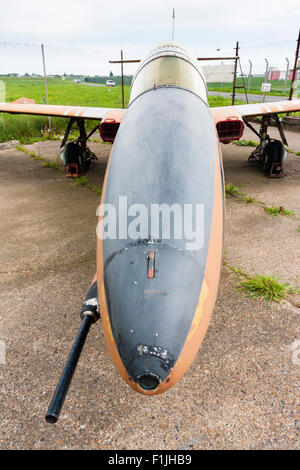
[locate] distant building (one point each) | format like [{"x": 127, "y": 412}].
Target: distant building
[{"x": 276, "y": 74}]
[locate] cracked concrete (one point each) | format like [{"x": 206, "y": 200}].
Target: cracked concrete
[{"x": 240, "y": 391}]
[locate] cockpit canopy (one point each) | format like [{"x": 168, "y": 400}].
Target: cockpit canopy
[{"x": 169, "y": 64}]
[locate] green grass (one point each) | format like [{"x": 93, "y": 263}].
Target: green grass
[
  {"x": 64, "y": 92},
  {"x": 83, "y": 181},
  {"x": 231, "y": 190},
  {"x": 237, "y": 271},
  {"x": 54, "y": 165},
  {"x": 29, "y": 153},
  {"x": 215, "y": 101},
  {"x": 253, "y": 143},
  {"x": 79, "y": 181},
  {"x": 262, "y": 286},
  {"x": 266, "y": 287},
  {"x": 255, "y": 86},
  {"x": 46, "y": 163},
  {"x": 28, "y": 129},
  {"x": 291, "y": 150},
  {"x": 250, "y": 199},
  {"x": 276, "y": 211},
  {"x": 246, "y": 143}
]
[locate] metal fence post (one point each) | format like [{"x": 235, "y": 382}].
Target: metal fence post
[
  {"x": 250, "y": 72},
  {"x": 46, "y": 88},
  {"x": 267, "y": 69},
  {"x": 122, "y": 78},
  {"x": 235, "y": 71},
  {"x": 295, "y": 67}
]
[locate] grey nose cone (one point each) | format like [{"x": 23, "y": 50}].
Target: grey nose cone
[{"x": 148, "y": 371}]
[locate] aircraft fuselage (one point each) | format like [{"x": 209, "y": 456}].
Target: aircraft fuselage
[{"x": 157, "y": 292}]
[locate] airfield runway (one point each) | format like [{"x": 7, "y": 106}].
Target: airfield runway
[
  {"x": 251, "y": 98},
  {"x": 240, "y": 392}
]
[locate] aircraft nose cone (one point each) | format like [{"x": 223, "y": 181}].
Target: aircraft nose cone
[
  {"x": 148, "y": 381},
  {"x": 151, "y": 317},
  {"x": 147, "y": 371}
]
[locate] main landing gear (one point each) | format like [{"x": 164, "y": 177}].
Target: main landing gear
[
  {"x": 270, "y": 153},
  {"x": 76, "y": 155}
]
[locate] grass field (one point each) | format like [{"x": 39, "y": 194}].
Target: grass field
[
  {"x": 63, "y": 92},
  {"x": 255, "y": 86},
  {"x": 27, "y": 128}
]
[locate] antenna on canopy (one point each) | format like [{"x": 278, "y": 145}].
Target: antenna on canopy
[{"x": 173, "y": 24}]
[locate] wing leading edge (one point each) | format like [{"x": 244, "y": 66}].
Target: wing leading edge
[
  {"x": 85, "y": 112},
  {"x": 230, "y": 120},
  {"x": 255, "y": 109}
]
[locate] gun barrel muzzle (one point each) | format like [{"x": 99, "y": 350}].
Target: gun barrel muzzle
[{"x": 60, "y": 393}]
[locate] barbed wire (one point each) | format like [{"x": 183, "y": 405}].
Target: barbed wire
[
  {"x": 82, "y": 48},
  {"x": 4, "y": 44},
  {"x": 56, "y": 53}
]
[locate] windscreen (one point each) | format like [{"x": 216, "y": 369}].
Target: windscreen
[{"x": 168, "y": 70}]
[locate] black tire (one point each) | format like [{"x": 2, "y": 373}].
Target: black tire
[{"x": 273, "y": 154}]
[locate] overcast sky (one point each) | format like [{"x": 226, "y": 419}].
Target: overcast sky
[{"x": 81, "y": 36}]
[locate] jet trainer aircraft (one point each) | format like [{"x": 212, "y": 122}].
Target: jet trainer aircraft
[{"x": 155, "y": 296}]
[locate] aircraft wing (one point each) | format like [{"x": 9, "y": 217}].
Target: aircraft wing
[
  {"x": 85, "y": 112},
  {"x": 256, "y": 109},
  {"x": 229, "y": 120}
]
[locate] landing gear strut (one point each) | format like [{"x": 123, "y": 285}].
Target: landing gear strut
[
  {"x": 270, "y": 153},
  {"x": 76, "y": 155}
]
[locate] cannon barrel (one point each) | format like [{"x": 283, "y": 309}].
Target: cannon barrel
[
  {"x": 68, "y": 372},
  {"x": 89, "y": 314}
]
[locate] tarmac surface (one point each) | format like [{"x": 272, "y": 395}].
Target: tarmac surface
[
  {"x": 238, "y": 96},
  {"x": 240, "y": 392},
  {"x": 251, "y": 98}
]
